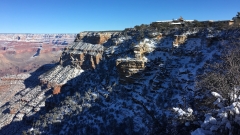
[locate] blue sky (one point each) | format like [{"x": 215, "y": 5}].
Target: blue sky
[{"x": 74, "y": 16}]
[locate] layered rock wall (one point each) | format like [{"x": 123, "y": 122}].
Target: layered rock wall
[
  {"x": 94, "y": 37},
  {"x": 130, "y": 68},
  {"x": 83, "y": 54},
  {"x": 62, "y": 39},
  {"x": 179, "y": 39}
]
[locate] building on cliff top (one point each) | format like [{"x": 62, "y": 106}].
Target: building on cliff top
[
  {"x": 224, "y": 22},
  {"x": 181, "y": 21}
]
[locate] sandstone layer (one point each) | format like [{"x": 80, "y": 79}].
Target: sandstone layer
[
  {"x": 95, "y": 37},
  {"x": 83, "y": 54},
  {"x": 130, "y": 69}
]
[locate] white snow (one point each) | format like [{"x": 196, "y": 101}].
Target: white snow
[
  {"x": 200, "y": 131},
  {"x": 190, "y": 110},
  {"x": 179, "y": 111},
  {"x": 217, "y": 95}
]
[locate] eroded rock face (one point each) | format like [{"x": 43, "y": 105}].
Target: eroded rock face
[
  {"x": 154, "y": 35},
  {"x": 130, "y": 68},
  {"x": 57, "y": 90},
  {"x": 82, "y": 55},
  {"x": 179, "y": 39},
  {"x": 59, "y": 76},
  {"x": 74, "y": 60},
  {"x": 94, "y": 37}
]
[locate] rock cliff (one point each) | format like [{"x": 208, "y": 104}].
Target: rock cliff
[
  {"x": 95, "y": 37},
  {"x": 137, "y": 82},
  {"x": 130, "y": 69},
  {"x": 83, "y": 54}
]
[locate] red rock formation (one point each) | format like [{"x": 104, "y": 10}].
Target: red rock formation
[
  {"x": 13, "y": 111},
  {"x": 57, "y": 90},
  {"x": 16, "y": 57},
  {"x": 16, "y": 51}
]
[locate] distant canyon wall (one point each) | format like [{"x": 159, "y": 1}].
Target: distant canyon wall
[
  {"x": 84, "y": 54},
  {"x": 59, "y": 39},
  {"x": 26, "y": 52}
]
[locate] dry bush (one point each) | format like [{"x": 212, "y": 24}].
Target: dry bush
[{"x": 223, "y": 76}]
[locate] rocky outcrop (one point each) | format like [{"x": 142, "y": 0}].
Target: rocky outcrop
[
  {"x": 57, "y": 89},
  {"x": 94, "y": 37},
  {"x": 179, "y": 39},
  {"x": 82, "y": 55},
  {"x": 76, "y": 58},
  {"x": 18, "y": 100},
  {"x": 59, "y": 76},
  {"x": 130, "y": 68},
  {"x": 154, "y": 35}
]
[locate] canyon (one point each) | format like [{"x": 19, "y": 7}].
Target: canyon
[
  {"x": 21, "y": 53},
  {"x": 141, "y": 80}
]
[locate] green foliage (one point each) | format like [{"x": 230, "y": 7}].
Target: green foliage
[
  {"x": 142, "y": 27},
  {"x": 137, "y": 27},
  {"x": 161, "y": 26},
  {"x": 196, "y": 23}
]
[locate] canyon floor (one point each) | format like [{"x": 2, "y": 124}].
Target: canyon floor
[
  {"x": 24, "y": 53},
  {"x": 19, "y": 57}
]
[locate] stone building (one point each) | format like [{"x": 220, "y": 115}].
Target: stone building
[
  {"x": 223, "y": 23},
  {"x": 207, "y": 23}
]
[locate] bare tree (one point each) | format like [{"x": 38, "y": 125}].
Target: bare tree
[{"x": 217, "y": 87}]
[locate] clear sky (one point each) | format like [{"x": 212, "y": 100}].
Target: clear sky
[{"x": 74, "y": 16}]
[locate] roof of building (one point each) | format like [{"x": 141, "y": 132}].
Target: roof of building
[
  {"x": 176, "y": 23},
  {"x": 224, "y": 21},
  {"x": 207, "y": 21},
  {"x": 188, "y": 20},
  {"x": 165, "y": 21}
]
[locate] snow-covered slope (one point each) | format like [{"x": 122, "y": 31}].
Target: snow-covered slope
[{"x": 141, "y": 85}]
